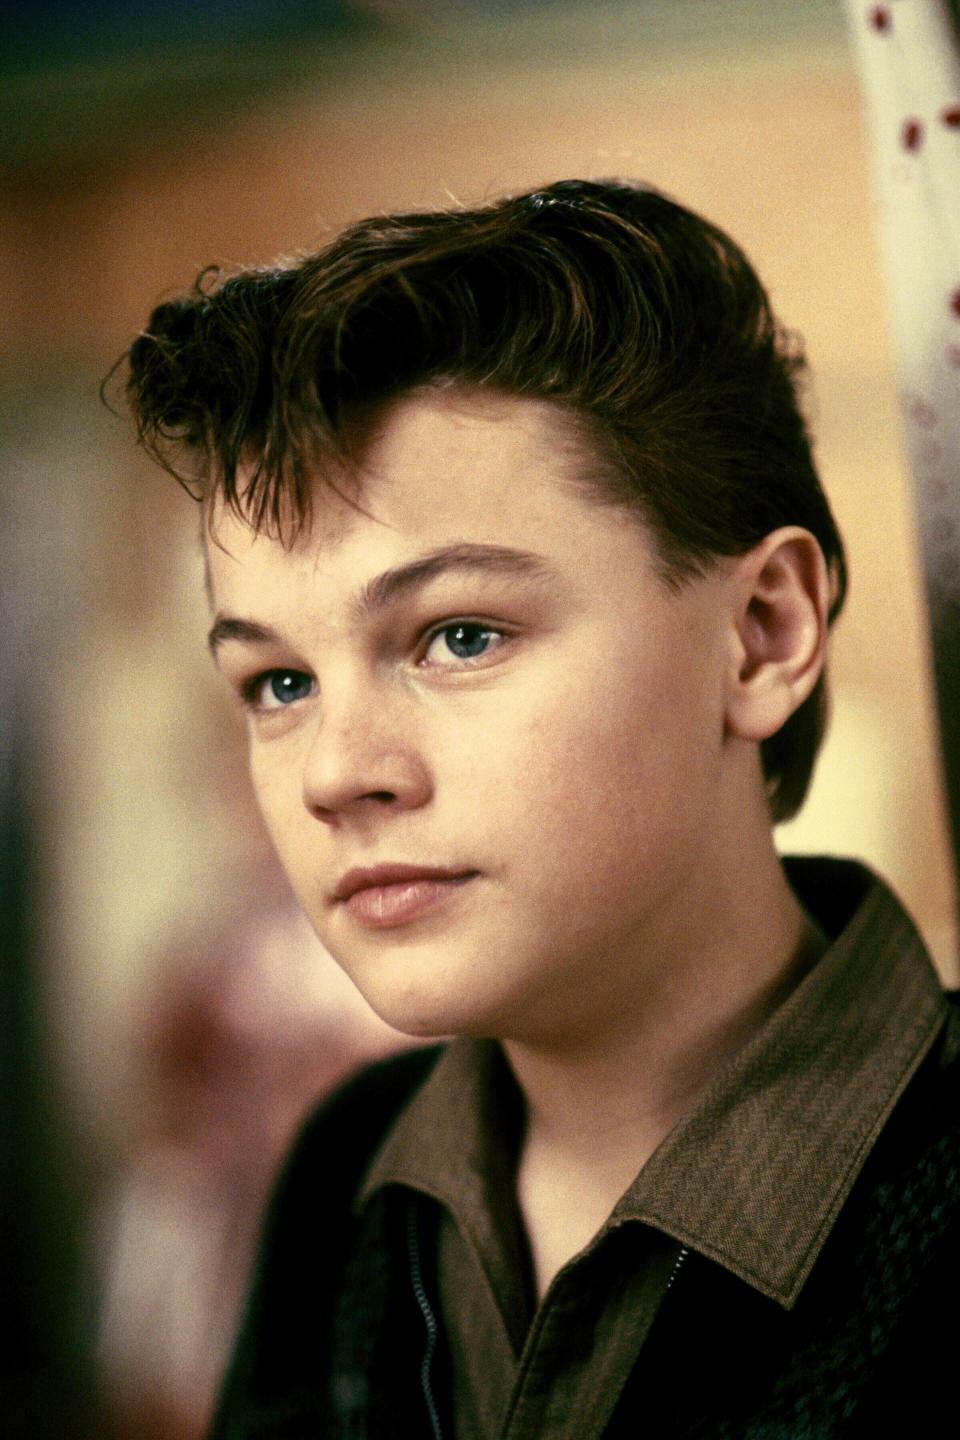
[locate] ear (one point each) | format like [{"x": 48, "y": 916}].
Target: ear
[{"x": 778, "y": 638}]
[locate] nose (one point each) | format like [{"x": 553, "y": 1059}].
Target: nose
[{"x": 364, "y": 757}]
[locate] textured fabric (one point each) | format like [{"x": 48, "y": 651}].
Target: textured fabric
[
  {"x": 781, "y": 1134},
  {"x": 826, "y": 1344}
]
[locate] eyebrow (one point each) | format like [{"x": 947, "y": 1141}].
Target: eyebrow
[
  {"x": 227, "y": 627},
  {"x": 392, "y": 585},
  {"x": 380, "y": 592}
]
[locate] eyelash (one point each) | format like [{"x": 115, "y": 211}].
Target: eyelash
[
  {"x": 251, "y": 692},
  {"x": 480, "y": 629}
]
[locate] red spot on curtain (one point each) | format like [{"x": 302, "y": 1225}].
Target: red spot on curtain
[
  {"x": 881, "y": 19},
  {"x": 911, "y": 136},
  {"x": 920, "y": 412}
]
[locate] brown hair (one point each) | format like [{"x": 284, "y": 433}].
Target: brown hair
[{"x": 640, "y": 319}]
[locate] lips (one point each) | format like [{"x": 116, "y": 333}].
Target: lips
[{"x": 388, "y": 895}]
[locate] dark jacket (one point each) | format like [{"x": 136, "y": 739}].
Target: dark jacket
[{"x": 334, "y": 1341}]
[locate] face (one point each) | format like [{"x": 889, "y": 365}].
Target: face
[{"x": 487, "y": 738}]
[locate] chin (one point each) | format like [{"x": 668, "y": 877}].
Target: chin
[
  {"x": 425, "y": 1016},
  {"x": 420, "y": 1021}
]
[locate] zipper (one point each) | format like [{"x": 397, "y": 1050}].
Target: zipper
[
  {"x": 684, "y": 1252},
  {"x": 429, "y": 1318}
]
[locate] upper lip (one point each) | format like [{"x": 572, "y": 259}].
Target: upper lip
[{"x": 391, "y": 874}]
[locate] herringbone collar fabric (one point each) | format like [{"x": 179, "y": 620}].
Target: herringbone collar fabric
[{"x": 755, "y": 1174}]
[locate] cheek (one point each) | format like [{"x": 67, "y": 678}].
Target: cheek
[
  {"x": 623, "y": 777},
  {"x": 278, "y": 793}
]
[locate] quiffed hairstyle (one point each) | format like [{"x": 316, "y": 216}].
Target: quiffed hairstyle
[{"x": 642, "y": 321}]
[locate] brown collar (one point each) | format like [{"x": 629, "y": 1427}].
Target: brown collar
[{"x": 755, "y": 1174}]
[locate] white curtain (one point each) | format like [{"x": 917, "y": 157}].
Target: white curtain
[{"x": 909, "y": 64}]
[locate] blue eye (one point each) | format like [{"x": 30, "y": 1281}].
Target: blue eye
[
  {"x": 280, "y": 687},
  {"x": 467, "y": 641},
  {"x": 463, "y": 641}
]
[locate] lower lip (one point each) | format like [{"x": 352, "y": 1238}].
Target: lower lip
[{"x": 381, "y": 907}]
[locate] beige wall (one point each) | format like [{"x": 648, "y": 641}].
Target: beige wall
[{"x": 155, "y": 837}]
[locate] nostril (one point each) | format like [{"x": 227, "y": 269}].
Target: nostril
[{"x": 357, "y": 772}]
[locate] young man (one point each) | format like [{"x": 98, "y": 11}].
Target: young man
[{"x": 523, "y": 574}]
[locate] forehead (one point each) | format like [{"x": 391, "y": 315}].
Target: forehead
[
  {"x": 441, "y": 467},
  {"x": 433, "y": 471}
]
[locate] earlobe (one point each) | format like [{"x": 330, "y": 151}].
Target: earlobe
[{"x": 778, "y": 631}]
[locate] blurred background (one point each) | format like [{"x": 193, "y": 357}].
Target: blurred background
[{"x": 167, "y": 1016}]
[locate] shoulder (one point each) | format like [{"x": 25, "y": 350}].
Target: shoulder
[
  {"x": 339, "y": 1139},
  {"x": 280, "y": 1360},
  {"x": 310, "y": 1212}
]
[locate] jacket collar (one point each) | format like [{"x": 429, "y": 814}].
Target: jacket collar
[{"x": 755, "y": 1174}]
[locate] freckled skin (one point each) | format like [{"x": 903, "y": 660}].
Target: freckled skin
[{"x": 580, "y": 763}]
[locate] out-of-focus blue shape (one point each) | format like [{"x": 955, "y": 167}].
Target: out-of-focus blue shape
[{"x": 45, "y": 1356}]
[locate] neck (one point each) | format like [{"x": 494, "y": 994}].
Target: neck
[{"x": 600, "y": 1101}]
